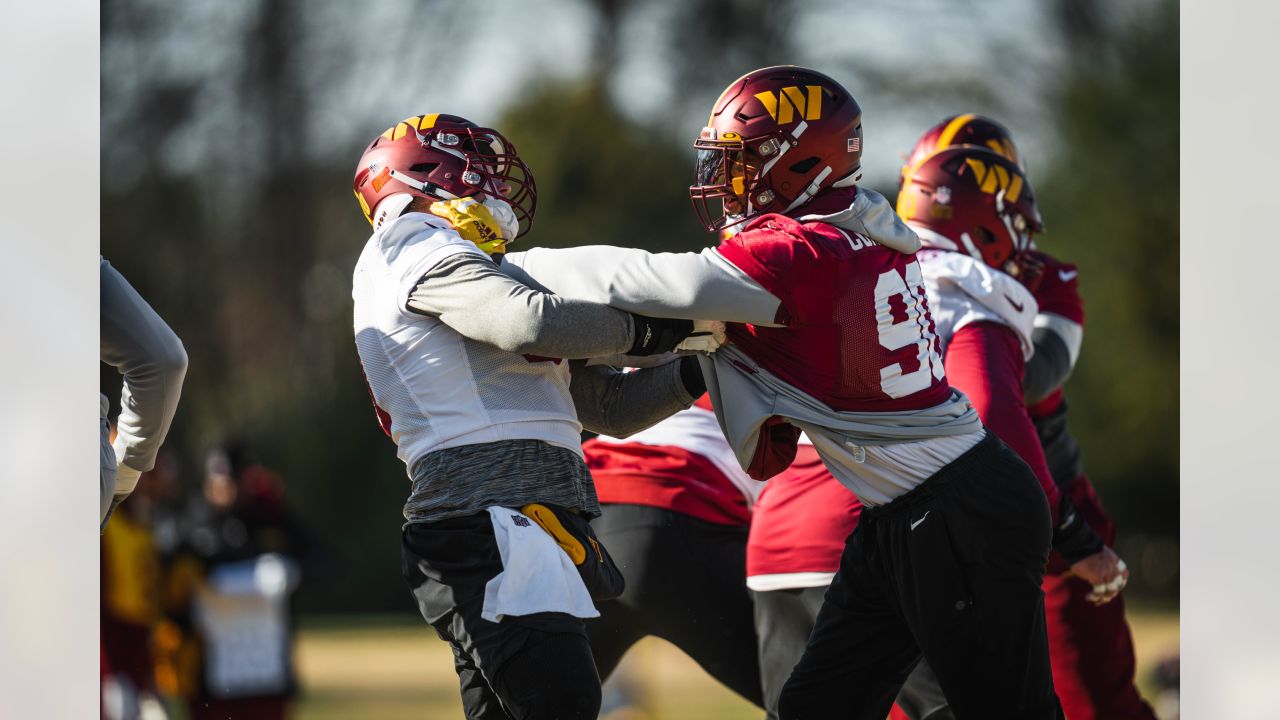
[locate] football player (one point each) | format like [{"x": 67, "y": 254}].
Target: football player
[
  {"x": 1090, "y": 645},
  {"x": 831, "y": 335},
  {"x": 136, "y": 341},
  {"x": 675, "y": 508},
  {"x": 465, "y": 370}
]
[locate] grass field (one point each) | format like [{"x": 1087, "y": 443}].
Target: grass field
[{"x": 397, "y": 669}]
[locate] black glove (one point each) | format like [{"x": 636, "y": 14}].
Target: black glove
[
  {"x": 1072, "y": 537},
  {"x": 655, "y": 336},
  {"x": 691, "y": 376}
]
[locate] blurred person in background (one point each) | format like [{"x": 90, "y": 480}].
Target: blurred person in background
[
  {"x": 131, "y": 600},
  {"x": 831, "y": 335},
  {"x": 1090, "y": 644},
  {"x": 675, "y": 506},
  {"x": 228, "y": 592},
  {"x": 479, "y": 382},
  {"x": 798, "y": 530},
  {"x": 138, "y": 343}
]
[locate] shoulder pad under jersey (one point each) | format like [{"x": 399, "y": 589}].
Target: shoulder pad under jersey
[{"x": 963, "y": 290}]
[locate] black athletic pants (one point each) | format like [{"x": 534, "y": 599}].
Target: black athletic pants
[
  {"x": 686, "y": 583},
  {"x": 951, "y": 570},
  {"x": 530, "y": 667},
  {"x": 784, "y": 619}
]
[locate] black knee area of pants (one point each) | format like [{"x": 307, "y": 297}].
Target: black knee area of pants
[
  {"x": 553, "y": 678},
  {"x": 792, "y": 706}
]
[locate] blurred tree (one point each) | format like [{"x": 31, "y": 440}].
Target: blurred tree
[
  {"x": 602, "y": 178},
  {"x": 1110, "y": 201}
]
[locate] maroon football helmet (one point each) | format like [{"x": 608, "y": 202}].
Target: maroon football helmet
[
  {"x": 444, "y": 157},
  {"x": 972, "y": 200},
  {"x": 967, "y": 129},
  {"x": 776, "y": 137}
]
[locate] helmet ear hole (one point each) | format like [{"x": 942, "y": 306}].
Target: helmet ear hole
[
  {"x": 804, "y": 166},
  {"x": 985, "y": 236}
]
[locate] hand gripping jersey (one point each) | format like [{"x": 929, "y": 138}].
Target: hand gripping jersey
[
  {"x": 1061, "y": 311},
  {"x": 832, "y": 337},
  {"x": 682, "y": 464},
  {"x": 432, "y": 387}
]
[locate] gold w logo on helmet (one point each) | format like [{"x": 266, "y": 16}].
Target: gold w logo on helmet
[
  {"x": 994, "y": 178},
  {"x": 782, "y": 106}
]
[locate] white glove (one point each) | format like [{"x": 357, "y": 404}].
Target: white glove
[{"x": 707, "y": 336}]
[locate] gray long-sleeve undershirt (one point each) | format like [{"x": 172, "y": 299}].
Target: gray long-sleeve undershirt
[
  {"x": 696, "y": 286},
  {"x": 618, "y": 404},
  {"x": 1048, "y": 369},
  {"x": 469, "y": 294},
  {"x": 136, "y": 341}
]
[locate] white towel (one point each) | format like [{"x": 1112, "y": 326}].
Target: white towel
[{"x": 537, "y": 576}]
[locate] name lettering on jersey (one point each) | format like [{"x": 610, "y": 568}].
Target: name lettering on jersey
[
  {"x": 994, "y": 179},
  {"x": 856, "y": 241},
  {"x": 785, "y": 105}
]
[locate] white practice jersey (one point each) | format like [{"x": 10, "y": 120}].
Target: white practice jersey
[
  {"x": 435, "y": 388},
  {"x": 696, "y": 430},
  {"x": 963, "y": 290}
]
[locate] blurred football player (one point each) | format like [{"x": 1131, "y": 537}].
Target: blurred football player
[
  {"x": 136, "y": 341},
  {"x": 466, "y": 371},
  {"x": 830, "y": 334},
  {"x": 1090, "y": 645},
  {"x": 675, "y": 509}
]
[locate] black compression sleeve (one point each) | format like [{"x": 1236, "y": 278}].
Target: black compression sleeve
[{"x": 1048, "y": 369}]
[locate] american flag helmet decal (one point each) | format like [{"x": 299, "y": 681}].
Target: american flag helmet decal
[{"x": 855, "y": 144}]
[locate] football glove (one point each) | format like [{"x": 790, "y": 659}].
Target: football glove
[
  {"x": 654, "y": 336},
  {"x": 574, "y": 535},
  {"x": 707, "y": 336}
]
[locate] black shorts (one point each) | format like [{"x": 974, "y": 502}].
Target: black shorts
[
  {"x": 950, "y": 571},
  {"x": 686, "y": 583},
  {"x": 527, "y": 667}
]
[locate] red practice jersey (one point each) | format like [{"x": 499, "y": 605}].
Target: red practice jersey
[
  {"x": 682, "y": 464},
  {"x": 858, "y": 332},
  {"x": 799, "y": 526},
  {"x": 1058, "y": 294}
]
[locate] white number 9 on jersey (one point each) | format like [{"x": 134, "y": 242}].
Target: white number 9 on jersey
[{"x": 913, "y": 329}]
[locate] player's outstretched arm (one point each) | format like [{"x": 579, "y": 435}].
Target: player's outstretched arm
[
  {"x": 468, "y": 293},
  {"x": 698, "y": 286},
  {"x": 616, "y": 403},
  {"x": 137, "y": 342}
]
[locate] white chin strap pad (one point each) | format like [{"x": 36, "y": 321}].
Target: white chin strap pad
[
  {"x": 506, "y": 217},
  {"x": 390, "y": 208}
]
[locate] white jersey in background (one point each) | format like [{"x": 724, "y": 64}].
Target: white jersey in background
[
  {"x": 963, "y": 291},
  {"x": 435, "y": 388}
]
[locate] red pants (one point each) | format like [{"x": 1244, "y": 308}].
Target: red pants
[{"x": 1090, "y": 648}]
